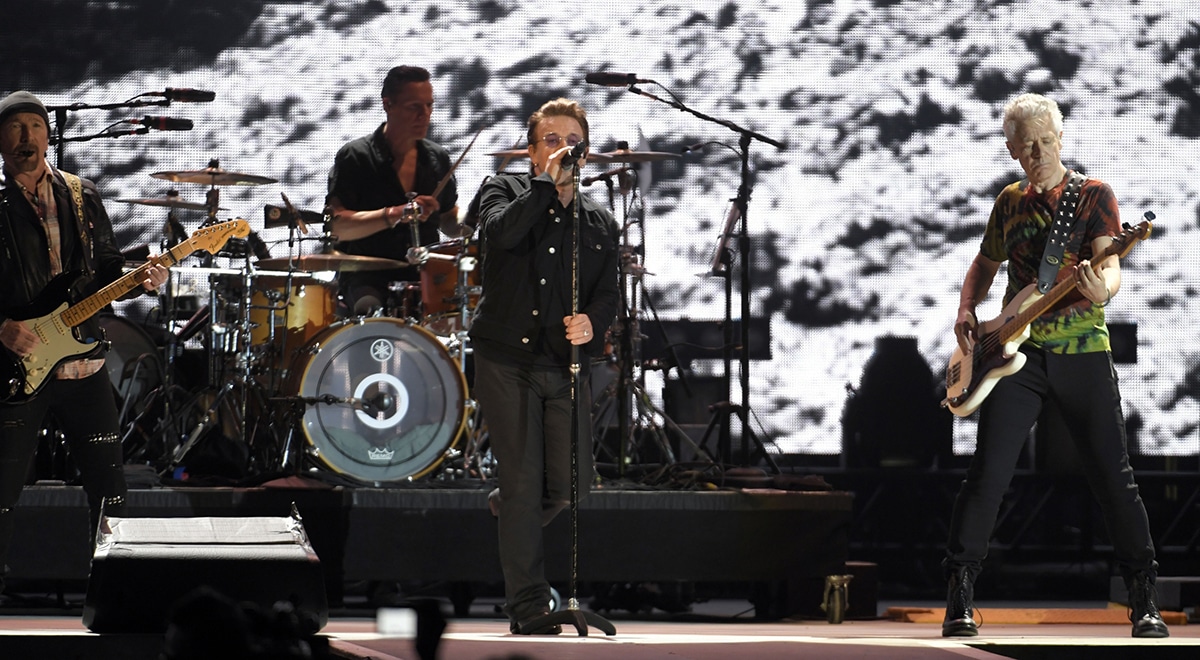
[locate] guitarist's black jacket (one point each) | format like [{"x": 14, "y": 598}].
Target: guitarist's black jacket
[{"x": 89, "y": 249}]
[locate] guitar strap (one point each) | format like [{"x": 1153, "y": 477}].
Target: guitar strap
[
  {"x": 1062, "y": 232},
  {"x": 76, "y": 186}
]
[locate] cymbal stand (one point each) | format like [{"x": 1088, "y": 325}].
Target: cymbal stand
[
  {"x": 636, "y": 413},
  {"x": 473, "y": 459}
]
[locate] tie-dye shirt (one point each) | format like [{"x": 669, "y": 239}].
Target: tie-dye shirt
[{"x": 1017, "y": 232}]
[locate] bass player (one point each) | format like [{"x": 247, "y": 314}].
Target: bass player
[{"x": 1062, "y": 219}]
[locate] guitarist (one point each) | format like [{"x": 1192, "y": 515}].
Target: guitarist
[
  {"x": 50, "y": 224},
  {"x": 1068, "y": 363}
]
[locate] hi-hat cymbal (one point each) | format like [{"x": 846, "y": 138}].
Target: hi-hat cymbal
[
  {"x": 524, "y": 153},
  {"x": 169, "y": 201},
  {"x": 339, "y": 261},
  {"x": 215, "y": 176},
  {"x": 627, "y": 156}
]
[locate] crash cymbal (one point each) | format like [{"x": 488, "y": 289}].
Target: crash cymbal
[
  {"x": 214, "y": 176},
  {"x": 524, "y": 153},
  {"x": 335, "y": 260},
  {"x": 171, "y": 202},
  {"x": 627, "y": 156}
]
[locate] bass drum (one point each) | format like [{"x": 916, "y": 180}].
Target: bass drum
[{"x": 405, "y": 372}]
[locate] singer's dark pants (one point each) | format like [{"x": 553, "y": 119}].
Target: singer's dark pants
[
  {"x": 528, "y": 417},
  {"x": 1085, "y": 389},
  {"x": 86, "y": 413}
]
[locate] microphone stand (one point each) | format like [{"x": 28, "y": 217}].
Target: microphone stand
[
  {"x": 573, "y": 615},
  {"x": 742, "y": 202},
  {"x": 60, "y": 122}
]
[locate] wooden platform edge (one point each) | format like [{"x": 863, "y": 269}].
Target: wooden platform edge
[{"x": 1115, "y": 613}]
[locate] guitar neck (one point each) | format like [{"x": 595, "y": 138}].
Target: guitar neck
[
  {"x": 1015, "y": 326},
  {"x": 88, "y": 307}
]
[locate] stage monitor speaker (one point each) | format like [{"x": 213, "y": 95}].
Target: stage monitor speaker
[{"x": 143, "y": 566}]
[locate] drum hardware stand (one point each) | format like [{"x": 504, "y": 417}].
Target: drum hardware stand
[
  {"x": 742, "y": 204},
  {"x": 635, "y": 410}
]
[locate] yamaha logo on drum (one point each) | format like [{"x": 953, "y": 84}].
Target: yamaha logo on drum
[
  {"x": 380, "y": 454},
  {"x": 381, "y": 350}
]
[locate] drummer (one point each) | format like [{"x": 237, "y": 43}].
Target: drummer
[{"x": 370, "y": 183}]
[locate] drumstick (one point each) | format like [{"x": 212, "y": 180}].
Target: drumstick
[{"x": 446, "y": 179}]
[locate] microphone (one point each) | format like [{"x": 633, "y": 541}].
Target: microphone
[
  {"x": 295, "y": 214},
  {"x": 601, "y": 177},
  {"x": 163, "y": 123},
  {"x": 571, "y": 157},
  {"x": 614, "y": 79},
  {"x": 187, "y": 95},
  {"x": 374, "y": 405},
  {"x": 258, "y": 246},
  {"x": 693, "y": 147}
]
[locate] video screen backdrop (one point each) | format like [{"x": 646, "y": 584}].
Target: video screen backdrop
[{"x": 862, "y": 227}]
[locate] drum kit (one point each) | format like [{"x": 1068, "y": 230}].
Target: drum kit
[{"x": 379, "y": 399}]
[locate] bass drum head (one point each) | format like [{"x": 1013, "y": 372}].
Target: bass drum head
[{"x": 380, "y": 360}]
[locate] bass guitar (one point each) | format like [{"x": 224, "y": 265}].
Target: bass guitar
[
  {"x": 55, "y": 321},
  {"x": 993, "y": 355}
]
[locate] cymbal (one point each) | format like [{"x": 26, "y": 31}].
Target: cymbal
[
  {"x": 524, "y": 153},
  {"x": 335, "y": 260},
  {"x": 214, "y": 176},
  {"x": 627, "y": 156},
  {"x": 169, "y": 201}
]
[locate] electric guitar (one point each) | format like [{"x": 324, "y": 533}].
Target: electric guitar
[
  {"x": 994, "y": 355},
  {"x": 55, "y": 321}
]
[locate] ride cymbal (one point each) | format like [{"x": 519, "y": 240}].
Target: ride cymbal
[
  {"x": 214, "y": 176},
  {"x": 171, "y": 202},
  {"x": 339, "y": 261},
  {"x": 627, "y": 156},
  {"x": 524, "y": 153}
]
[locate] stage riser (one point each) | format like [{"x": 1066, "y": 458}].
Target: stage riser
[{"x": 434, "y": 534}]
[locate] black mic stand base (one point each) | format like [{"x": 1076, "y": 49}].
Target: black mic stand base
[{"x": 571, "y": 616}]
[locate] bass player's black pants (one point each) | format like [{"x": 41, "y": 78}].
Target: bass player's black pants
[{"x": 1084, "y": 387}]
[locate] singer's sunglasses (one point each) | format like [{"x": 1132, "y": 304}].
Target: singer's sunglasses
[{"x": 552, "y": 140}]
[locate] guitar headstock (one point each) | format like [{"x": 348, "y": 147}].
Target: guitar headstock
[
  {"x": 1124, "y": 242},
  {"x": 213, "y": 238}
]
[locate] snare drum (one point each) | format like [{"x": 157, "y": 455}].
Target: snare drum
[
  {"x": 295, "y": 314},
  {"x": 374, "y": 360},
  {"x": 441, "y": 302}
]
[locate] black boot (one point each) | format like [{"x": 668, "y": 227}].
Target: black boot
[
  {"x": 960, "y": 604},
  {"x": 1143, "y": 607}
]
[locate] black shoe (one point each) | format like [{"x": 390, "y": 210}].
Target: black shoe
[
  {"x": 960, "y": 605},
  {"x": 1143, "y": 608},
  {"x": 528, "y": 625}
]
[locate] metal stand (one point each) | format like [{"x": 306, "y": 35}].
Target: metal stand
[
  {"x": 573, "y": 615},
  {"x": 742, "y": 204}
]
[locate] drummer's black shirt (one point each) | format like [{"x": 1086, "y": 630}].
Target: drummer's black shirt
[{"x": 363, "y": 177}]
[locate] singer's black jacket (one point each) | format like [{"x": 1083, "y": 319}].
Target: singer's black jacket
[{"x": 527, "y": 272}]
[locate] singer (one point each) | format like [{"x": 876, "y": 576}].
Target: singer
[
  {"x": 52, "y": 222},
  {"x": 370, "y": 182},
  {"x": 523, "y": 335}
]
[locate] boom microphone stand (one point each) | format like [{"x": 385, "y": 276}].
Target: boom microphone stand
[{"x": 742, "y": 203}]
